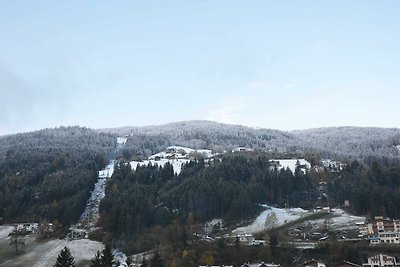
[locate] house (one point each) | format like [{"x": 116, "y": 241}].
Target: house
[
  {"x": 314, "y": 263},
  {"x": 381, "y": 260},
  {"x": 248, "y": 239},
  {"x": 346, "y": 264}
]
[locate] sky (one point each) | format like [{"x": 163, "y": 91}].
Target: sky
[{"x": 274, "y": 64}]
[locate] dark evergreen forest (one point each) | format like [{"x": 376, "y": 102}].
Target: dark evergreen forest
[
  {"x": 231, "y": 188},
  {"x": 48, "y": 174}
]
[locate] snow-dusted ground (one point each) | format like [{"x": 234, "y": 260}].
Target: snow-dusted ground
[
  {"x": 90, "y": 216},
  {"x": 282, "y": 216},
  {"x": 5, "y": 230},
  {"x": 45, "y": 254},
  {"x": 340, "y": 220},
  {"x": 108, "y": 171},
  {"x": 176, "y": 163},
  {"x": 206, "y": 152},
  {"x": 213, "y": 224},
  {"x": 291, "y": 163}
]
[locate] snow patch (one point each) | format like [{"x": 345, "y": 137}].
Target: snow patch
[
  {"x": 283, "y": 216},
  {"x": 341, "y": 220},
  {"x": 121, "y": 140},
  {"x": 108, "y": 171},
  {"x": 176, "y": 163},
  {"x": 213, "y": 224},
  {"x": 5, "y": 230},
  {"x": 291, "y": 164}
]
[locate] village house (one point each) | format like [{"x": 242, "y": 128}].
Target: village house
[{"x": 381, "y": 260}]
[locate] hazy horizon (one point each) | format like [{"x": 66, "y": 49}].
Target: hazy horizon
[{"x": 283, "y": 65}]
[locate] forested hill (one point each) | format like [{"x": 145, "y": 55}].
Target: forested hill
[
  {"x": 352, "y": 142},
  {"x": 202, "y": 134},
  {"x": 334, "y": 142},
  {"x": 41, "y": 171}
]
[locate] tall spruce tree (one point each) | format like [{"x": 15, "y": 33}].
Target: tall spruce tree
[
  {"x": 96, "y": 261},
  {"x": 65, "y": 259},
  {"x": 107, "y": 259},
  {"x": 156, "y": 261}
]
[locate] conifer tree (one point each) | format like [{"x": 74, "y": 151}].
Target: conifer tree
[
  {"x": 156, "y": 261},
  {"x": 107, "y": 259},
  {"x": 65, "y": 259},
  {"x": 96, "y": 261}
]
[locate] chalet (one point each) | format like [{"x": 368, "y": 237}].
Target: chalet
[{"x": 381, "y": 260}]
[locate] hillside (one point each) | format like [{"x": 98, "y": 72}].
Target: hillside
[
  {"x": 40, "y": 172},
  {"x": 333, "y": 142},
  {"x": 352, "y": 142}
]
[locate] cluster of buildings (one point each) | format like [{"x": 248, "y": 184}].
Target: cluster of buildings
[
  {"x": 380, "y": 231},
  {"x": 379, "y": 260}
]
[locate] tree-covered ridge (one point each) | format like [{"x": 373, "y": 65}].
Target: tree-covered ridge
[
  {"x": 200, "y": 134},
  {"x": 231, "y": 188},
  {"x": 352, "y": 142},
  {"x": 333, "y": 142},
  {"x": 48, "y": 174},
  {"x": 372, "y": 189}
]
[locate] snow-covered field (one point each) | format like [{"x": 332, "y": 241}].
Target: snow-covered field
[
  {"x": 178, "y": 149},
  {"x": 5, "y": 230},
  {"x": 292, "y": 163},
  {"x": 108, "y": 171},
  {"x": 45, "y": 254},
  {"x": 282, "y": 216},
  {"x": 340, "y": 220}
]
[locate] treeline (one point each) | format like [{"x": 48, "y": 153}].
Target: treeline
[
  {"x": 230, "y": 188},
  {"x": 372, "y": 188},
  {"x": 48, "y": 174}
]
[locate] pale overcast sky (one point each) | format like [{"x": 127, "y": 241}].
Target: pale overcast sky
[{"x": 274, "y": 64}]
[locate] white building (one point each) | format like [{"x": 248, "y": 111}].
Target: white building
[{"x": 381, "y": 260}]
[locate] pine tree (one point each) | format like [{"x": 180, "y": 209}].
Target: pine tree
[
  {"x": 107, "y": 259},
  {"x": 129, "y": 261},
  {"x": 16, "y": 240},
  {"x": 156, "y": 261},
  {"x": 96, "y": 261},
  {"x": 144, "y": 262},
  {"x": 65, "y": 259}
]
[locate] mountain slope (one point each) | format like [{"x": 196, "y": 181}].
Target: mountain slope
[
  {"x": 341, "y": 142},
  {"x": 353, "y": 142},
  {"x": 48, "y": 174}
]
